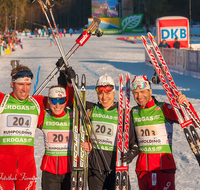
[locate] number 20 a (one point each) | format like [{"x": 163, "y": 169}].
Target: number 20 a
[
  {"x": 147, "y": 131},
  {"x": 19, "y": 121},
  {"x": 104, "y": 130}
]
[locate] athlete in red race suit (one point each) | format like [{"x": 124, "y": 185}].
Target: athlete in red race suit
[
  {"x": 19, "y": 117},
  {"x": 153, "y": 123},
  {"x": 56, "y": 125}
]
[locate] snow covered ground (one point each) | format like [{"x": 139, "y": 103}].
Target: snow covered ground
[{"x": 97, "y": 57}]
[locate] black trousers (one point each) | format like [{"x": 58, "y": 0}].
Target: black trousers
[
  {"x": 96, "y": 181},
  {"x": 56, "y": 182}
]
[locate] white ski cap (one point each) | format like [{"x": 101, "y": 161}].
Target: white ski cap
[
  {"x": 57, "y": 92},
  {"x": 105, "y": 80},
  {"x": 140, "y": 82}
]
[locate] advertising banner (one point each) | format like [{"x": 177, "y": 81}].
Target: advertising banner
[
  {"x": 105, "y": 8},
  {"x": 107, "y": 23},
  {"x": 171, "y": 27},
  {"x": 130, "y": 23},
  {"x": 180, "y": 61},
  {"x": 192, "y": 61}
]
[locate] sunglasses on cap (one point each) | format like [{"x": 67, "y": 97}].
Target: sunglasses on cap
[
  {"x": 141, "y": 85},
  {"x": 60, "y": 101},
  {"x": 23, "y": 74},
  {"x": 107, "y": 88}
]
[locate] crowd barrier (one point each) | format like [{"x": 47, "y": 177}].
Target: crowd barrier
[{"x": 182, "y": 61}]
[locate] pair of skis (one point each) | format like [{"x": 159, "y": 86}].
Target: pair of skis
[
  {"x": 121, "y": 182},
  {"x": 79, "y": 168},
  {"x": 185, "y": 115}
]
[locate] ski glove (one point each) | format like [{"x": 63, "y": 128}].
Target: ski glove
[
  {"x": 98, "y": 33},
  {"x": 60, "y": 62},
  {"x": 70, "y": 74},
  {"x": 129, "y": 156}
]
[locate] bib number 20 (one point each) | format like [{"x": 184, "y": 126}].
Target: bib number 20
[
  {"x": 103, "y": 130},
  {"x": 19, "y": 121}
]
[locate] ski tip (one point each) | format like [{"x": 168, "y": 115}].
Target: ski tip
[
  {"x": 83, "y": 80},
  {"x": 127, "y": 77}
]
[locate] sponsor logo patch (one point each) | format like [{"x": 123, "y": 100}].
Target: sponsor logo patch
[{"x": 158, "y": 107}]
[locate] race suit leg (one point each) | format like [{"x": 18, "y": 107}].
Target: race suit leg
[
  {"x": 7, "y": 177},
  {"x": 156, "y": 180},
  {"x": 27, "y": 173},
  {"x": 8, "y": 174}
]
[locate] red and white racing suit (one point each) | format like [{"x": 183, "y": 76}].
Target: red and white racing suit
[
  {"x": 155, "y": 165},
  {"x": 17, "y": 132}
]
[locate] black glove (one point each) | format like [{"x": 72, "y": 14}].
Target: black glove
[
  {"x": 70, "y": 74},
  {"x": 129, "y": 156},
  {"x": 99, "y": 33},
  {"x": 60, "y": 62}
]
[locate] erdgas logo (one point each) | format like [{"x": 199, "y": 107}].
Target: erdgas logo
[
  {"x": 53, "y": 123},
  {"x": 17, "y": 140},
  {"x": 150, "y": 118},
  {"x": 18, "y": 107},
  {"x": 104, "y": 116},
  {"x": 150, "y": 149}
]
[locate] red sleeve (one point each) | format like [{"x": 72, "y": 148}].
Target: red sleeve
[
  {"x": 70, "y": 95},
  {"x": 41, "y": 119},
  {"x": 1, "y": 97},
  {"x": 169, "y": 112},
  {"x": 42, "y": 101}
]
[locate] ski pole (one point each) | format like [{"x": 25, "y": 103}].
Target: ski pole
[
  {"x": 44, "y": 9},
  {"x": 43, "y": 6},
  {"x": 55, "y": 71},
  {"x": 47, "y": 81}
]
